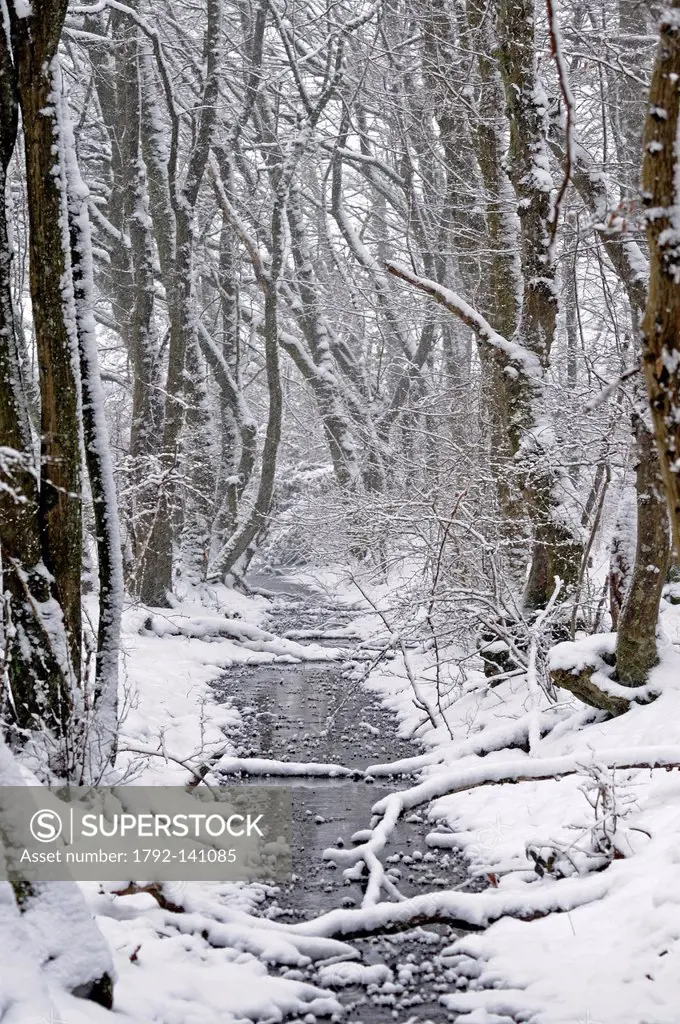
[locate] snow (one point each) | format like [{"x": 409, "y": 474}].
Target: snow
[
  {"x": 207, "y": 961},
  {"x": 52, "y": 944},
  {"x": 575, "y": 944},
  {"x": 168, "y": 706},
  {"x": 349, "y": 973},
  {"x": 248, "y": 636},
  {"x": 181, "y": 979},
  {"x": 527, "y": 362},
  {"x": 586, "y": 653},
  {"x": 575, "y": 656},
  {"x": 613, "y": 958}
]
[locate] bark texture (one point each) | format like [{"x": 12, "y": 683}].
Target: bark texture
[
  {"x": 34, "y": 41},
  {"x": 636, "y": 626},
  {"x": 636, "y": 650},
  {"x": 661, "y": 324}
]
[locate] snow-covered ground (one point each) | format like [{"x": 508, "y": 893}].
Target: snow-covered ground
[
  {"x": 613, "y": 956},
  {"x": 207, "y": 964},
  {"x": 538, "y": 795}
]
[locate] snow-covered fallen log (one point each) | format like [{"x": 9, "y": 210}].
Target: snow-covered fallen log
[
  {"x": 586, "y": 668},
  {"x": 341, "y": 633},
  {"x": 274, "y": 945},
  {"x": 524, "y": 767},
  {"x": 262, "y": 766},
  {"x": 464, "y": 910},
  {"x": 503, "y": 737},
  {"x": 245, "y": 634},
  {"x": 270, "y": 938}
]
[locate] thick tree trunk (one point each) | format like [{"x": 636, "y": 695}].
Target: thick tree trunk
[
  {"x": 636, "y": 632},
  {"x": 556, "y": 550},
  {"x": 38, "y": 690},
  {"x": 34, "y": 40},
  {"x": 36, "y": 662},
  {"x": 661, "y": 324}
]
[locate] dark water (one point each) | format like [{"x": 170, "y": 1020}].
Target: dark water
[{"x": 313, "y": 712}]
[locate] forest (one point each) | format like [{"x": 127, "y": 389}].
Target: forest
[{"x": 340, "y": 452}]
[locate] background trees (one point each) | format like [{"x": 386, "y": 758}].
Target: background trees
[{"x": 239, "y": 207}]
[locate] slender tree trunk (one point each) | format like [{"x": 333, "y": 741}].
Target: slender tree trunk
[
  {"x": 319, "y": 371},
  {"x": 157, "y": 558},
  {"x": 103, "y": 723},
  {"x": 636, "y": 651},
  {"x": 129, "y": 280},
  {"x": 156, "y": 576},
  {"x": 237, "y": 429},
  {"x": 239, "y": 546}
]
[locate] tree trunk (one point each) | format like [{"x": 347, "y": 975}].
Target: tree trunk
[
  {"x": 35, "y": 40},
  {"x": 103, "y": 724},
  {"x": 556, "y": 550},
  {"x": 636, "y": 650},
  {"x": 240, "y": 544},
  {"x": 156, "y": 577},
  {"x": 661, "y": 324},
  {"x": 636, "y": 633},
  {"x": 37, "y": 676}
]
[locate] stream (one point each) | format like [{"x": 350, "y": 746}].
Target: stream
[{"x": 312, "y": 712}]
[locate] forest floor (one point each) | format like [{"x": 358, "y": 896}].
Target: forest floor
[{"x": 545, "y": 881}]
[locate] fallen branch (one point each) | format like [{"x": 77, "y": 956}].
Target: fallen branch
[
  {"x": 501, "y": 737},
  {"x": 198, "y": 772},
  {"x": 459, "y": 780},
  {"x": 464, "y": 910},
  {"x": 262, "y": 766}
]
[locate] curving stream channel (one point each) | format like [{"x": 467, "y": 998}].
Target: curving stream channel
[{"x": 312, "y": 712}]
